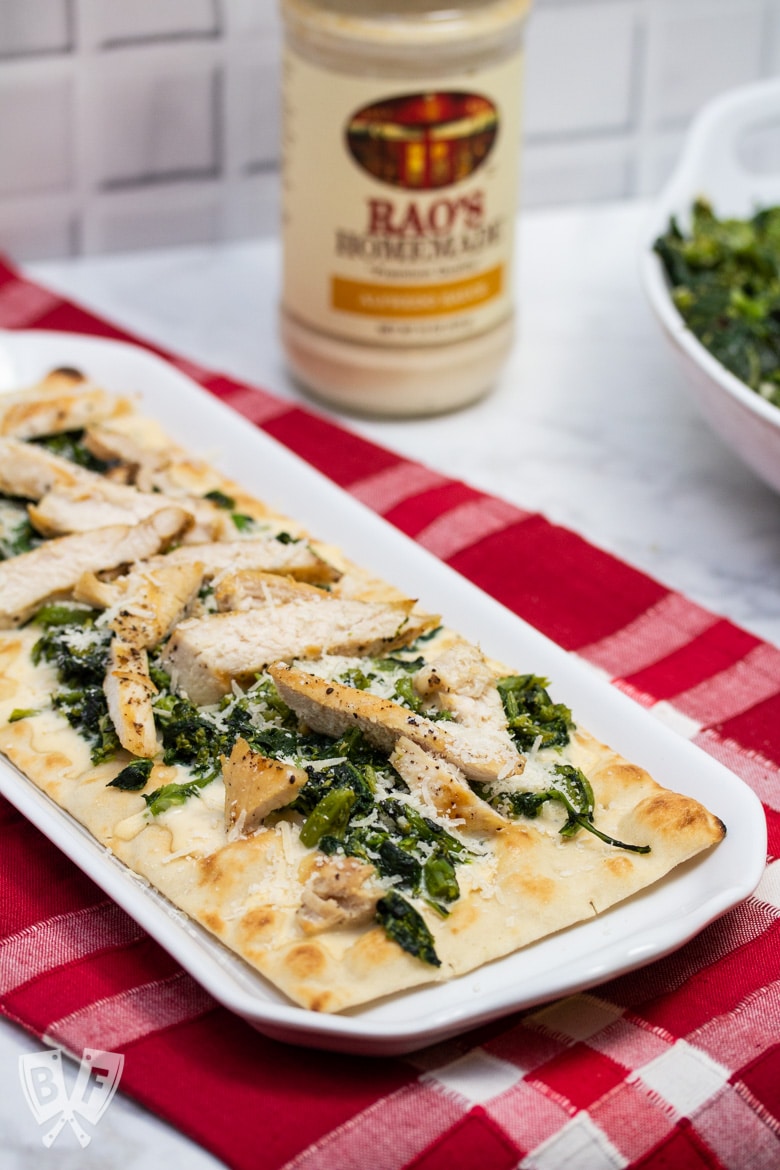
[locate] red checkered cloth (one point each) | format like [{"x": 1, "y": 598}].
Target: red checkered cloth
[{"x": 676, "y": 1065}]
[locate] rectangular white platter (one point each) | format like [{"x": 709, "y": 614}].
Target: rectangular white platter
[{"x": 638, "y": 931}]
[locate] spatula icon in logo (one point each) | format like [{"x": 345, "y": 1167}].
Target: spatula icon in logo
[{"x": 43, "y": 1082}]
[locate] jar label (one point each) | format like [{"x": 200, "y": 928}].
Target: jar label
[{"x": 399, "y": 202}]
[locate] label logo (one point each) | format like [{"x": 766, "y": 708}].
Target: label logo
[
  {"x": 423, "y": 141},
  {"x": 51, "y": 1104}
]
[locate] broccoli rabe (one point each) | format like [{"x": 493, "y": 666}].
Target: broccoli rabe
[
  {"x": 73, "y": 644},
  {"x": 330, "y": 815},
  {"x": 86, "y": 710},
  {"x": 725, "y": 282},
  {"x": 78, "y": 650},
  {"x": 133, "y": 777},
  {"x": 169, "y": 795},
  {"x": 17, "y": 534},
  {"x": 402, "y": 843},
  {"x": 531, "y": 714},
  {"x": 570, "y": 788},
  {"x": 221, "y": 499},
  {"x": 400, "y": 671},
  {"x": 406, "y": 926},
  {"x": 70, "y": 445}
]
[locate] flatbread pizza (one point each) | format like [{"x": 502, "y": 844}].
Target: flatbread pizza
[{"x": 345, "y": 791}]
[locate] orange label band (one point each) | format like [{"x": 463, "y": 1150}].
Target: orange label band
[{"x": 415, "y": 300}]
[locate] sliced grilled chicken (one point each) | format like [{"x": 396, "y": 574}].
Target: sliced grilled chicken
[
  {"x": 256, "y": 786},
  {"x": 83, "y": 507},
  {"x": 461, "y": 668},
  {"x": 332, "y": 708},
  {"x": 296, "y": 559},
  {"x": 52, "y": 569},
  {"x": 122, "y": 448},
  {"x": 204, "y": 655},
  {"x": 93, "y": 590},
  {"x": 148, "y": 601},
  {"x": 250, "y": 588},
  {"x": 63, "y": 401},
  {"x": 464, "y": 683},
  {"x": 95, "y": 501},
  {"x": 129, "y": 691},
  {"x": 73, "y": 499},
  {"x": 339, "y": 892},
  {"x": 161, "y": 590},
  {"x": 30, "y": 471},
  {"x": 443, "y": 786}
]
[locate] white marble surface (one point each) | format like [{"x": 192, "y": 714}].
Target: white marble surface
[{"x": 590, "y": 424}]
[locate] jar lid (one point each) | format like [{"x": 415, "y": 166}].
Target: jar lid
[{"x": 405, "y": 24}]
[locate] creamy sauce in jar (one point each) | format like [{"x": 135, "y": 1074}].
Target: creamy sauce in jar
[{"x": 400, "y": 168}]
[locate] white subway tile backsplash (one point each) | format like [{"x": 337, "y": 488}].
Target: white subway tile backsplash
[
  {"x": 140, "y": 123},
  {"x": 252, "y": 208},
  {"x": 155, "y": 121},
  {"x": 579, "y": 172},
  {"x": 580, "y": 65},
  {"x": 34, "y": 26},
  {"x": 167, "y": 218},
  {"x": 256, "y": 111},
  {"x": 36, "y": 133},
  {"x": 38, "y": 229},
  {"x": 251, "y": 16},
  {"x": 772, "y": 38},
  {"x": 703, "y": 51},
  {"x": 658, "y": 160},
  {"x": 119, "y": 22}
]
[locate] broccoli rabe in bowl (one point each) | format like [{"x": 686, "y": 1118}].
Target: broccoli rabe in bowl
[
  {"x": 724, "y": 278},
  {"x": 710, "y": 264}
]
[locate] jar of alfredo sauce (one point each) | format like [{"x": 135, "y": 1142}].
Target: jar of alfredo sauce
[{"x": 401, "y": 136}]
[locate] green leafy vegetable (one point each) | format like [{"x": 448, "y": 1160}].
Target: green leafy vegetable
[
  {"x": 441, "y": 884},
  {"x": 400, "y": 669},
  {"x": 86, "y": 710},
  {"x": 402, "y": 843},
  {"x": 242, "y": 522},
  {"x": 188, "y": 737},
  {"x": 21, "y": 713},
  {"x": 407, "y": 695},
  {"x": 55, "y": 614},
  {"x": 413, "y": 826},
  {"x": 17, "y": 534},
  {"x": 220, "y": 499},
  {"x": 405, "y": 925},
  {"x": 197, "y": 738},
  {"x": 133, "y": 777},
  {"x": 395, "y": 861},
  {"x": 170, "y": 795},
  {"x": 330, "y": 815},
  {"x": 725, "y": 281},
  {"x": 570, "y": 788},
  {"x": 78, "y": 650},
  {"x": 357, "y": 678},
  {"x": 70, "y": 445},
  {"x": 531, "y": 714},
  {"x": 73, "y": 644}
]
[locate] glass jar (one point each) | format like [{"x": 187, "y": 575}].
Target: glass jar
[{"x": 401, "y": 137}]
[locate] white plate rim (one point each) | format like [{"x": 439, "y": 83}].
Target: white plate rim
[{"x": 580, "y": 957}]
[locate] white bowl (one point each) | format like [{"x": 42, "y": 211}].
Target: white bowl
[{"x": 725, "y": 159}]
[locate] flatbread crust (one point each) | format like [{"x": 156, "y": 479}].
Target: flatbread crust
[{"x": 523, "y": 880}]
